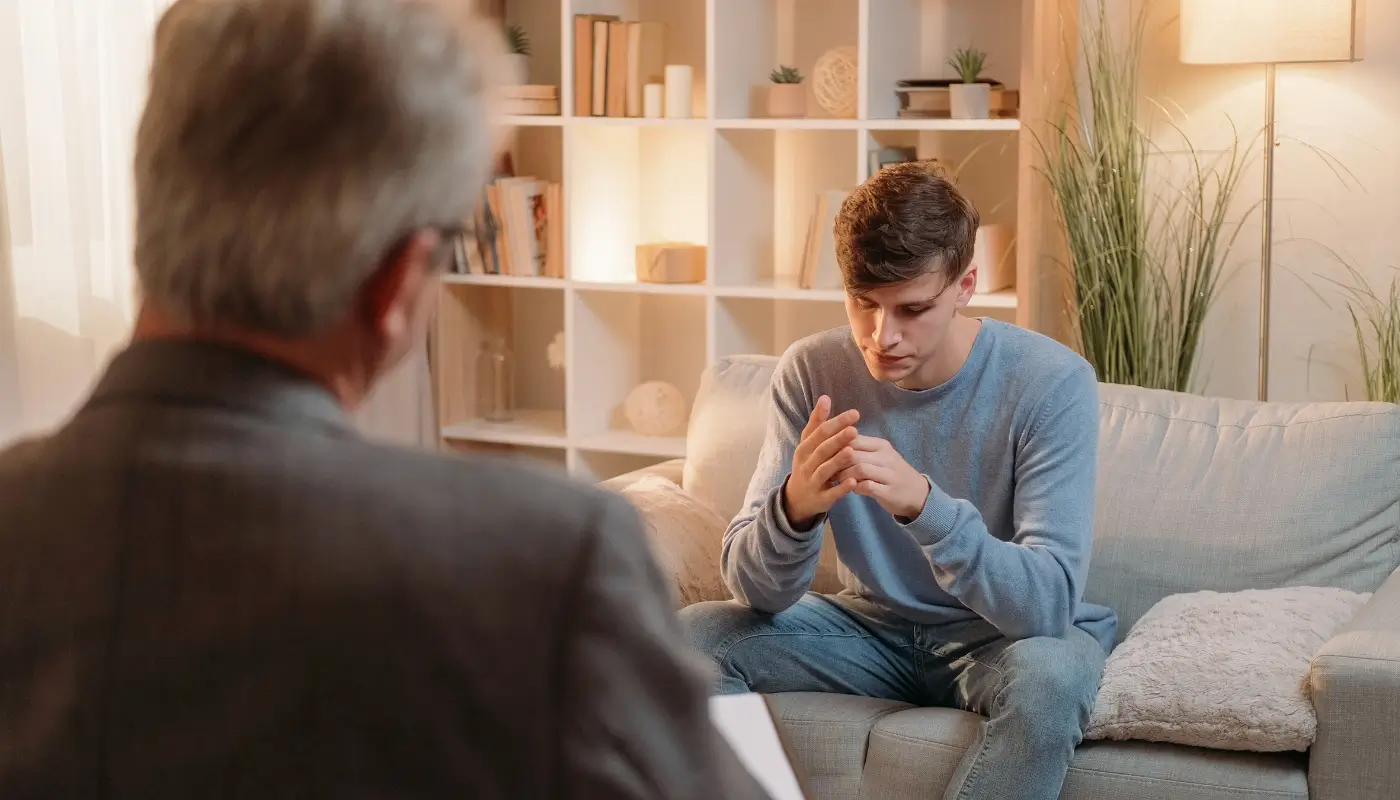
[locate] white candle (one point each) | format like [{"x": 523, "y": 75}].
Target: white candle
[
  {"x": 678, "y": 79},
  {"x": 653, "y": 99}
]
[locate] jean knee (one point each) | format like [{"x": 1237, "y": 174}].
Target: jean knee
[
  {"x": 711, "y": 626},
  {"x": 1059, "y": 675}
]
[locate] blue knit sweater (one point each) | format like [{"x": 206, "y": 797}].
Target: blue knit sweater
[{"x": 1010, "y": 447}]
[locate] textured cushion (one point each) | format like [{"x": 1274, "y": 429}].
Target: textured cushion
[
  {"x": 1202, "y": 493},
  {"x": 685, "y": 537},
  {"x": 1221, "y": 670},
  {"x": 913, "y": 754},
  {"x": 727, "y": 424}
]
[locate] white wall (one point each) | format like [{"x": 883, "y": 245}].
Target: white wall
[{"x": 1351, "y": 111}]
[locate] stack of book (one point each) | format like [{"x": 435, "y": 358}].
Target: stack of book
[
  {"x": 613, "y": 60},
  {"x": 929, "y": 99},
  {"x": 518, "y": 230},
  {"x": 531, "y": 100}
]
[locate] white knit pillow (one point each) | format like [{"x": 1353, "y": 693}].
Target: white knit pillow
[{"x": 1227, "y": 671}]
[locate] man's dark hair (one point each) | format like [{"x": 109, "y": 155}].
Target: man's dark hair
[{"x": 906, "y": 221}]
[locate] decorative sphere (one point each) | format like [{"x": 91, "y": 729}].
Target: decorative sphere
[
  {"x": 655, "y": 408},
  {"x": 834, "y": 81}
]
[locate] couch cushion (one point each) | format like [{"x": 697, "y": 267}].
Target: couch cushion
[
  {"x": 828, "y": 735},
  {"x": 1214, "y": 494},
  {"x": 913, "y": 754},
  {"x": 727, "y": 424},
  {"x": 684, "y": 535},
  {"x": 1226, "y": 670}
]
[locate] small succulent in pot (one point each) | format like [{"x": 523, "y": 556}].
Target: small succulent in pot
[
  {"x": 970, "y": 99},
  {"x": 786, "y": 75},
  {"x": 787, "y": 97}
]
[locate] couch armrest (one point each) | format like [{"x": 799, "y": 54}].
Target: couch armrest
[
  {"x": 670, "y": 470},
  {"x": 1355, "y": 687}
]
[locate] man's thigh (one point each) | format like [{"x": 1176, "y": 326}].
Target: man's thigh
[{"x": 817, "y": 645}]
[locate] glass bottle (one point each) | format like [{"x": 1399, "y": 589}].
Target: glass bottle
[{"x": 495, "y": 382}]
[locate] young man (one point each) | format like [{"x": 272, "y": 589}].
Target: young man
[{"x": 954, "y": 460}]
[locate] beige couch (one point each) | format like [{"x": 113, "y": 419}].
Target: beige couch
[{"x": 1194, "y": 494}]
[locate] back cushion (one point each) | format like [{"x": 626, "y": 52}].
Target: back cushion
[
  {"x": 727, "y": 424},
  {"x": 1202, "y": 493}
]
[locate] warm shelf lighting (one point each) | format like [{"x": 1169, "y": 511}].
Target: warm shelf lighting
[{"x": 1270, "y": 31}]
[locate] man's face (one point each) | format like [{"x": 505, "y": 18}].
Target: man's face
[{"x": 901, "y": 328}]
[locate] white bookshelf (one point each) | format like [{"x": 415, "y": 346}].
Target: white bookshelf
[{"x": 734, "y": 181}]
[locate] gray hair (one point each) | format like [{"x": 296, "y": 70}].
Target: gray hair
[{"x": 289, "y": 145}]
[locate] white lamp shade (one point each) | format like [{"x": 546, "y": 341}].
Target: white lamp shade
[{"x": 1270, "y": 31}]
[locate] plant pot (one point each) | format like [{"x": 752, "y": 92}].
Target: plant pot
[
  {"x": 787, "y": 100},
  {"x": 970, "y": 100},
  {"x": 518, "y": 69}
]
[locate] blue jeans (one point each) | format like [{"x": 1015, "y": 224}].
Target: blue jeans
[{"x": 1037, "y": 693}]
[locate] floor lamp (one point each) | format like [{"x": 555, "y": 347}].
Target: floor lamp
[{"x": 1269, "y": 32}]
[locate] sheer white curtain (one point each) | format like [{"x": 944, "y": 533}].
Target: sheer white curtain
[
  {"x": 72, "y": 83},
  {"x": 72, "y": 77}
]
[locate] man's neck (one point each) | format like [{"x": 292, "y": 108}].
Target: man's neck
[
  {"x": 316, "y": 357},
  {"x": 962, "y": 334}
]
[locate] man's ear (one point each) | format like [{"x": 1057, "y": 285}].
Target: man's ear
[
  {"x": 967, "y": 287},
  {"x": 389, "y": 295}
]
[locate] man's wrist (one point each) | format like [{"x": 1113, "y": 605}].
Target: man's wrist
[
  {"x": 796, "y": 519},
  {"x": 916, "y": 505}
]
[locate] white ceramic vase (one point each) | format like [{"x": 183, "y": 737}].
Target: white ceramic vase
[
  {"x": 970, "y": 100},
  {"x": 518, "y": 68}
]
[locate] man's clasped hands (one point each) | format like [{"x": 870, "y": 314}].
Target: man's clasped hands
[{"x": 833, "y": 459}]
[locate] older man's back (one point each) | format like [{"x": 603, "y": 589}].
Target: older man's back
[{"x": 213, "y": 587}]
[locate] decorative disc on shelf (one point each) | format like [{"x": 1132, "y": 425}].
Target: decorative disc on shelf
[
  {"x": 655, "y": 408},
  {"x": 834, "y": 82}
]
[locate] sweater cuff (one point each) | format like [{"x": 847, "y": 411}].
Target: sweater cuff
[
  {"x": 785, "y": 525},
  {"x": 936, "y": 519}
]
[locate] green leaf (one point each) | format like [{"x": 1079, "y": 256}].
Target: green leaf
[{"x": 786, "y": 75}]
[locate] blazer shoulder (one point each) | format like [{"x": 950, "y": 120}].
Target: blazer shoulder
[{"x": 488, "y": 495}]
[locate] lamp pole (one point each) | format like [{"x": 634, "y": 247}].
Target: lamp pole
[{"x": 1266, "y": 243}]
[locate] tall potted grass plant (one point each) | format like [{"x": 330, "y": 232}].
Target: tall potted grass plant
[
  {"x": 1146, "y": 237},
  {"x": 1375, "y": 318}
]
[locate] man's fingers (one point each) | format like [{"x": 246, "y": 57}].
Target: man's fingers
[
  {"x": 825, "y": 450},
  {"x": 833, "y": 493},
  {"x": 869, "y": 444},
  {"x": 868, "y": 488},
  {"x": 825, "y": 431},
  {"x": 843, "y": 420},
  {"x": 827, "y": 469},
  {"x": 863, "y": 471},
  {"x": 818, "y": 415}
]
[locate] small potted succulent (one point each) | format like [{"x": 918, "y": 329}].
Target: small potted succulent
[
  {"x": 519, "y": 58},
  {"x": 787, "y": 97},
  {"x": 971, "y": 99}
]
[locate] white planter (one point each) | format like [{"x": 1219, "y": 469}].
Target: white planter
[
  {"x": 518, "y": 69},
  {"x": 970, "y": 100}
]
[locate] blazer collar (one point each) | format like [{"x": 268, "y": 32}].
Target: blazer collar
[{"x": 194, "y": 373}]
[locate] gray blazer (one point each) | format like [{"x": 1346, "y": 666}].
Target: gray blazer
[{"x": 212, "y": 587}]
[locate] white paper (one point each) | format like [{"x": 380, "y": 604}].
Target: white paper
[{"x": 744, "y": 721}]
